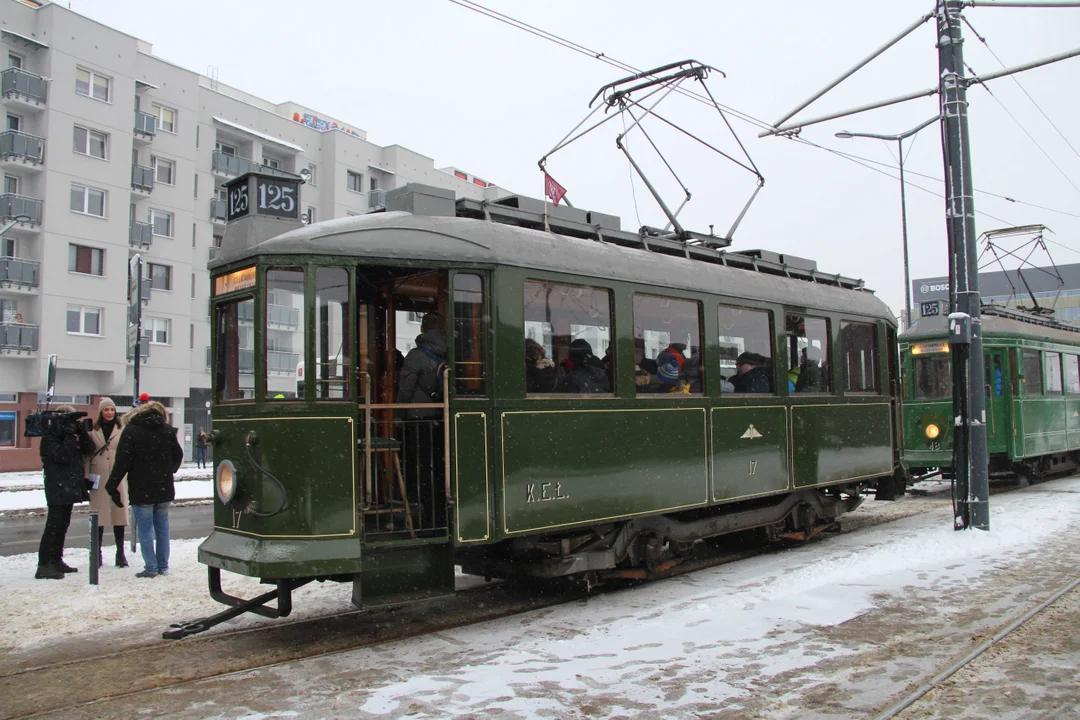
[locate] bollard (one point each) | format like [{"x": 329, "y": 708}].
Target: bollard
[{"x": 95, "y": 549}]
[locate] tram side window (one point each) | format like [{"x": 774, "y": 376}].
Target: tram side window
[
  {"x": 746, "y": 356},
  {"x": 470, "y": 331},
  {"x": 567, "y": 339},
  {"x": 332, "y": 338},
  {"x": 234, "y": 364},
  {"x": 1032, "y": 373},
  {"x": 858, "y": 342},
  {"x": 1052, "y": 367},
  {"x": 809, "y": 369},
  {"x": 667, "y": 345},
  {"x": 1072, "y": 374},
  {"x": 284, "y": 332},
  {"x": 933, "y": 377}
]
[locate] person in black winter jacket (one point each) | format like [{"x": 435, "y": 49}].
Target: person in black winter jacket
[
  {"x": 753, "y": 375},
  {"x": 65, "y": 485},
  {"x": 583, "y": 372},
  {"x": 149, "y": 454}
]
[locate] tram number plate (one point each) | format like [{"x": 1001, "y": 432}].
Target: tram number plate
[
  {"x": 930, "y": 309},
  {"x": 277, "y": 197}
]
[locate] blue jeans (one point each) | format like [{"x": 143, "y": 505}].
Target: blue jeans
[
  {"x": 152, "y": 523},
  {"x": 200, "y": 456}
]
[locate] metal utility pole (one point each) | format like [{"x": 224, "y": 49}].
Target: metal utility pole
[
  {"x": 135, "y": 281},
  {"x": 972, "y": 491}
]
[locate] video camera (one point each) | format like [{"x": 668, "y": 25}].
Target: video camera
[{"x": 55, "y": 422}]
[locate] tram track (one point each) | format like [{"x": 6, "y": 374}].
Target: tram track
[{"x": 54, "y": 687}]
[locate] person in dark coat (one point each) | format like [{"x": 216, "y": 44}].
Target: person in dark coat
[
  {"x": 148, "y": 454},
  {"x": 65, "y": 484},
  {"x": 583, "y": 372},
  {"x": 540, "y": 373},
  {"x": 200, "y": 448},
  {"x": 423, "y": 448},
  {"x": 753, "y": 376},
  {"x": 810, "y": 375}
]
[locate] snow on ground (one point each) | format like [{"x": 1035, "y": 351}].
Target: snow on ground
[{"x": 25, "y": 490}]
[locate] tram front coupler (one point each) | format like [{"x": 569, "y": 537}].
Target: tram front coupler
[{"x": 238, "y": 606}]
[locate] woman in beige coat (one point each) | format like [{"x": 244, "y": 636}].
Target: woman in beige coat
[{"x": 99, "y": 464}]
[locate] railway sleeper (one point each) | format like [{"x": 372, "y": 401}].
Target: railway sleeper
[{"x": 645, "y": 547}]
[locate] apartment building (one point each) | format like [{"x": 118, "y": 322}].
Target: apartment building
[{"x": 107, "y": 151}]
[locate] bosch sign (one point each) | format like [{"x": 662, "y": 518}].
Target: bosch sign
[{"x": 930, "y": 289}]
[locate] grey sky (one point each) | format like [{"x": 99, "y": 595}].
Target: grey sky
[{"x": 471, "y": 92}]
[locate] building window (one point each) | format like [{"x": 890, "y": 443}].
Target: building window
[
  {"x": 373, "y": 183},
  {"x": 311, "y": 214},
  {"x": 191, "y": 338},
  {"x": 160, "y": 276},
  {"x": 87, "y": 200},
  {"x": 9, "y": 423},
  {"x": 166, "y": 118},
  {"x": 225, "y": 149},
  {"x": 157, "y": 329},
  {"x": 9, "y": 397},
  {"x": 162, "y": 222},
  {"x": 91, "y": 84},
  {"x": 311, "y": 178},
  {"x": 14, "y": 122},
  {"x": 86, "y": 260},
  {"x": 14, "y": 61},
  {"x": 11, "y": 185},
  {"x": 82, "y": 320},
  {"x": 354, "y": 181},
  {"x": 164, "y": 170},
  {"x": 271, "y": 162},
  {"x": 192, "y": 285},
  {"x": 91, "y": 142}
]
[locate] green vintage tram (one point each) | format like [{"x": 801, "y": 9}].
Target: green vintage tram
[
  {"x": 515, "y": 468},
  {"x": 1032, "y": 395}
]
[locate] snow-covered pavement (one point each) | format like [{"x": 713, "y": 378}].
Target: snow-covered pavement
[{"x": 830, "y": 629}]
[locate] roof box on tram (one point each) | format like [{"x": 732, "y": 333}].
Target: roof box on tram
[
  {"x": 422, "y": 200},
  {"x": 792, "y": 261}
]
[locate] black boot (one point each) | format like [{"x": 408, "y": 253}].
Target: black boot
[
  {"x": 48, "y": 572},
  {"x": 64, "y": 567},
  {"x": 121, "y": 560}
]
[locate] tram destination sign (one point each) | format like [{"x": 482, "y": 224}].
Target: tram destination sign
[
  {"x": 256, "y": 194},
  {"x": 930, "y": 308}
]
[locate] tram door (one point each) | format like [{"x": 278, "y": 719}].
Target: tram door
[
  {"x": 402, "y": 338},
  {"x": 996, "y": 389}
]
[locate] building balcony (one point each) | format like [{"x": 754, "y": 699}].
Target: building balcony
[
  {"x": 236, "y": 165},
  {"x": 21, "y": 150},
  {"x": 23, "y": 89},
  {"x": 144, "y": 350},
  {"x": 140, "y": 235},
  {"x": 145, "y": 127},
  {"x": 283, "y": 316},
  {"x": 217, "y": 210},
  {"x": 213, "y": 253},
  {"x": 18, "y": 273},
  {"x": 26, "y": 211},
  {"x": 247, "y": 361},
  {"x": 142, "y": 178},
  {"x": 377, "y": 199},
  {"x": 280, "y": 362},
  {"x": 18, "y": 338}
]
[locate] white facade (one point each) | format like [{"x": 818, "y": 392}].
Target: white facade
[{"x": 100, "y": 178}]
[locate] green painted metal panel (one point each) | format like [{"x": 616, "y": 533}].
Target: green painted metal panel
[
  {"x": 312, "y": 457},
  {"x": 472, "y": 491},
  {"x": 404, "y": 573},
  {"x": 749, "y": 451},
  {"x": 280, "y": 557},
  {"x": 578, "y": 466},
  {"x": 833, "y": 443},
  {"x": 1044, "y": 425},
  {"x": 1072, "y": 421},
  {"x": 919, "y": 450}
]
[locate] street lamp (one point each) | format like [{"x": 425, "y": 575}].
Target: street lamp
[{"x": 899, "y": 139}]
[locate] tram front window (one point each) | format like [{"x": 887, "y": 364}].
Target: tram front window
[
  {"x": 284, "y": 331},
  {"x": 332, "y": 324},
  {"x": 933, "y": 377},
  {"x": 234, "y": 364}
]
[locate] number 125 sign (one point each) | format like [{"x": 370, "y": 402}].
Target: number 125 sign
[{"x": 277, "y": 197}]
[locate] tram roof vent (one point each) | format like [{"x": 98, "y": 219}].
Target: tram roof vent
[
  {"x": 421, "y": 200},
  {"x": 792, "y": 261}
]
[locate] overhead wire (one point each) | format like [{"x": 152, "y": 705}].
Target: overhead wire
[{"x": 746, "y": 117}]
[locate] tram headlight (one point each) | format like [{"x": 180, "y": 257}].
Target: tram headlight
[
  {"x": 225, "y": 481},
  {"x": 932, "y": 431}
]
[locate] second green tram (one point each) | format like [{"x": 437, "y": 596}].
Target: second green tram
[
  {"x": 338, "y": 477},
  {"x": 1032, "y": 388}
]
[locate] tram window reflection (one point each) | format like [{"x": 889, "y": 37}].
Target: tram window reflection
[
  {"x": 1072, "y": 374},
  {"x": 933, "y": 377},
  {"x": 567, "y": 339},
  {"x": 858, "y": 342},
  {"x": 667, "y": 345},
  {"x": 745, "y": 335},
  {"x": 470, "y": 329},
  {"x": 1052, "y": 367},
  {"x": 234, "y": 363},
  {"x": 809, "y": 369},
  {"x": 1032, "y": 373},
  {"x": 284, "y": 332},
  {"x": 332, "y": 324}
]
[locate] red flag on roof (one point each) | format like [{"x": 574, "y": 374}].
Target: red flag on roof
[{"x": 552, "y": 189}]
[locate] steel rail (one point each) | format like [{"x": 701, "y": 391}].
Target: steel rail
[{"x": 958, "y": 665}]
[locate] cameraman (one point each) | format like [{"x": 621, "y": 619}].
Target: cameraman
[{"x": 62, "y": 450}]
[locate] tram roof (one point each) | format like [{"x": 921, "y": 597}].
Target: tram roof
[
  {"x": 405, "y": 236},
  {"x": 993, "y": 323}
]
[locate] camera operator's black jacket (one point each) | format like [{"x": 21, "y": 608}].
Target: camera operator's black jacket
[
  {"x": 62, "y": 459},
  {"x": 148, "y": 453}
]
